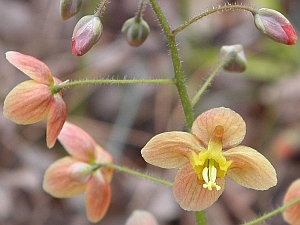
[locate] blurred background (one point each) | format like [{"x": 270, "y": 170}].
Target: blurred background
[{"x": 123, "y": 118}]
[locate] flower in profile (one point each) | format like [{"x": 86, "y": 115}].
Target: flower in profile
[
  {"x": 206, "y": 155},
  {"x": 141, "y": 217},
  {"x": 275, "y": 25},
  {"x": 292, "y": 213},
  {"x": 81, "y": 172},
  {"x": 33, "y": 100}
]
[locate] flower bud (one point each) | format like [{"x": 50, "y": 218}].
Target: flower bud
[
  {"x": 69, "y": 8},
  {"x": 275, "y": 26},
  {"x": 86, "y": 33},
  {"x": 136, "y": 31},
  {"x": 237, "y": 61}
]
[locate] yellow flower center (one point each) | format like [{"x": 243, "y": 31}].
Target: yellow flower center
[{"x": 210, "y": 163}]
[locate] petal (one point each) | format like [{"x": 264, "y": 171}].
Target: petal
[
  {"x": 56, "y": 119},
  {"x": 292, "y": 214},
  {"x": 97, "y": 197},
  {"x": 233, "y": 123},
  {"x": 141, "y": 217},
  {"x": 102, "y": 156},
  {"x": 34, "y": 68},
  {"x": 250, "y": 169},
  {"x": 27, "y": 103},
  {"x": 77, "y": 142},
  {"x": 189, "y": 192},
  {"x": 66, "y": 177},
  {"x": 170, "y": 149}
]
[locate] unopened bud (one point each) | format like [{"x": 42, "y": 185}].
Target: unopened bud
[
  {"x": 292, "y": 214},
  {"x": 69, "y": 8},
  {"x": 136, "y": 31},
  {"x": 275, "y": 26},
  {"x": 86, "y": 33},
  {"x": 236, "y": 61}
]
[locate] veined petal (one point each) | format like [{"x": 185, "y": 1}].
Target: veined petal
[
  {"x": 66, "y": 177},
  {"x": 189, "y": 192},
  {"x": 77, "y": 142},
  {"x": 102, "y": 156},
  {"x": 32, "y": 67},
  {"x": 250, "y": 169},
  {"x": 56, "y": 119},
  {"x": 292, "y": 214},
  {"x": 170, "y": 149},
  {"x": 233, "y": 123},
  {"x": 97, "y": 197},
  {"x": 27, "y": 103}
]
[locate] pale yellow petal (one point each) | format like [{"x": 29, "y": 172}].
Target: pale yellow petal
[
  {"x": 170, "y": 149},
  {"x": 250, "y": 168},
  {"x": 66, "y": 177},
  {"x": 292, "y": 214},
  {"x": 56, "y": 119},
  {"x": 32, "y": 67},
  {"x": 97, "y": 197},
  {"x": 141, "y": 217},
  {"x": 29, "y": 102},
  {"x": 77, "y": 142},
  {"x": 189, "y": 192},
  {"x": 233, "y": 123}
]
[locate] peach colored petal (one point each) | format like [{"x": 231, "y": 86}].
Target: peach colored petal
[
  {"x": 77, "y": 142},
  {"x": 169, "y": 149},
  {"x": 56, "y": 119},
  {"x": 189, "y": 192},
  {"x": 233, "y": 123},
  {"x": 102, "y": 156},
  {"x": 97, "y": 197},
  {"x": 66, "y": 177},
  {"x": 27, "y": 103},
  {"x": 34, "y": 68},
  {"x": 250, "y": 169},
  {"x": 292, "y": 214},
  {"x": 141, "y": 217}
]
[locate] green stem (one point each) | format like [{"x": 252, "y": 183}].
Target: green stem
[
  {"x": 273, "y": 213},
  {"x": 217, "y": 9},
  {"x": 137, "y": 174},
  {"x": 67, "y": 83},
  {"x": 211, "y": 77},
  {"x": 179, "y": 77},
  {"x": 101, "y": 8},
  {"x": 200, "y": 218}
]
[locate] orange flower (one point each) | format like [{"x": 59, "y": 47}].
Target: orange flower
[
  {"x": 292, "y": 214},
  {"x": 206, "y": 156},
  {"x": 36, "y": 99},
  {"x": 72, "y": 175}
]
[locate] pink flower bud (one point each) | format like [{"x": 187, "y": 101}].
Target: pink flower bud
[
  {"x": 275, "y": 26},
  {"x": 69, "y": 8},
  {"x": 86, "y": 33}
]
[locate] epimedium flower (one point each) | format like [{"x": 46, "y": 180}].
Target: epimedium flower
[
  {"x": 275, "y": 25},
  {"x": 36, "y": 99},
  {"x": 206, "y": 155},
  {"x": 81, "y": 172},
  {"x": 292, "y": 213}
]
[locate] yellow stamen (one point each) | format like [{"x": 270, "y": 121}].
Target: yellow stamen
[{"x": 210, "y": 164}]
